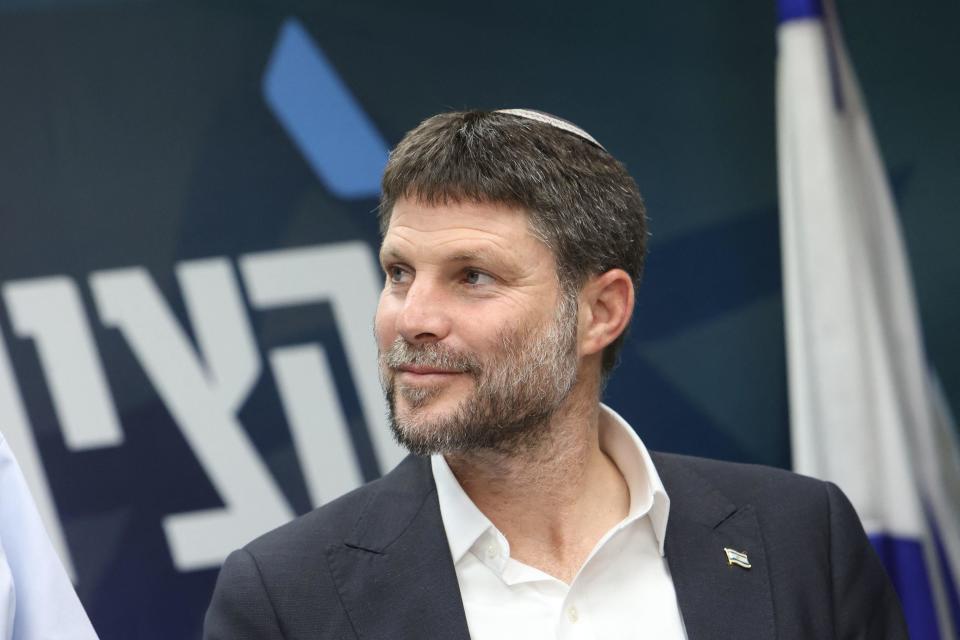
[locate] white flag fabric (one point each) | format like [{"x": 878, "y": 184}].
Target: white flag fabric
[
  {"x": 37, "y": 600},
  {"x": 864, "y": 411},
  {"x": 8, "y": 598}
]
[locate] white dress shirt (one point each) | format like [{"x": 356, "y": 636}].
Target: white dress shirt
[
  {"x": 37, "y": 600},
  {"x": 623, "y": 590}
]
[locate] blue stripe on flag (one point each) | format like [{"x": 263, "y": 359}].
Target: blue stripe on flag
[
  {"x": 793, "y": 9},
  {"x": 322, "y": 117},
  {"x": 949, "y": 580},
  {"x": 903, "y": 559}
]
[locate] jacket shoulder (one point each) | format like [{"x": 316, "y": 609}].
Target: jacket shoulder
[
  {"x": 792, "y": 509},
  {"x": 280, "y": 584},
  {"x": 816, "y": 548},
  {"x": 740, "y": 482}
]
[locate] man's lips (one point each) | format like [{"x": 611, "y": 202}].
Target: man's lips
[
  {"x": 420, "y": 370},
  {"x": 411, "y": 374}
]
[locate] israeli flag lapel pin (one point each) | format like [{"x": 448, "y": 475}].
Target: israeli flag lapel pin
[{"x": 738, "y": 558}]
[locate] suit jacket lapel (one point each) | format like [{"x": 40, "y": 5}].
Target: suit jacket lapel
[
  {"x": 717, "y": 599},
  {"x": 394, "y": 572}
]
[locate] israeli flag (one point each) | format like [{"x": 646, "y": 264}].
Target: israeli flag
[
  {"x": 37, "y": 600},
  {"x": 865, "y": 410}
]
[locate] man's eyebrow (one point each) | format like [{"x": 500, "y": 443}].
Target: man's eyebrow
[
  {"x": 467, "y": 256},
  {"x": 390, "y": 253},
  {"x": 483, "y": 256}
]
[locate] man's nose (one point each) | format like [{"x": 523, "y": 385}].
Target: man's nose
[{"x": 424, "y": 316}]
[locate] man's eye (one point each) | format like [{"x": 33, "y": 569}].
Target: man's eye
[
  {"x": 477, "y": 278},
  {"x": 397, "y": 275}
]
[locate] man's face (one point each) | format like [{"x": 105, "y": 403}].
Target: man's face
[{"x": 477, "y": 341}]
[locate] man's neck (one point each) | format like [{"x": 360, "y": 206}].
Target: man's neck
[{"x": 553, "y": 501}]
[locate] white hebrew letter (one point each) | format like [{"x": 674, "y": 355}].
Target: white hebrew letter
[
  {"x": 316, "y": 420},
  {"x": 344, "y": 275},
  {"x": 202, "y": 394},
  {"x": 49, "y": 311},
  {"x": 221, "y": 328}
]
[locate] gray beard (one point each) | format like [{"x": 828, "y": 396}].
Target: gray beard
[{"x": 516, "y": 390}]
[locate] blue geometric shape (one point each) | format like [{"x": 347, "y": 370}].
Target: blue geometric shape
[
  {"x": 321, "y": 116},
  {"x": 793, "y": 9}
]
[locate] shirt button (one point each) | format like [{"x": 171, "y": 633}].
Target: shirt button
[
  {"x": 491, "y": 551},
  {"x": 572, "y": 614}
]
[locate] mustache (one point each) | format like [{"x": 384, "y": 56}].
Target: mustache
[{"x": 402, "y": 353}]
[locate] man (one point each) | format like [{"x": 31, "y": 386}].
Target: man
[
  {"x": 513, "y": 243},
  {"x": 37, "y": 601}
]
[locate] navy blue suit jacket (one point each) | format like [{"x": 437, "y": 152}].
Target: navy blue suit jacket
[{"x": 375, "y": 563}]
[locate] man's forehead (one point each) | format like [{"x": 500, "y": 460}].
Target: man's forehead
[
  {"x": 454, "y": 220},
  {"x": 484, "y": 217}
]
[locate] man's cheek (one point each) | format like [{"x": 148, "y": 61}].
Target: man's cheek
[{"x": 382, "y": 332}]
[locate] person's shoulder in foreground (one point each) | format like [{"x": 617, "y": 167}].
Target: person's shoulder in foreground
[{"x": 37, "y": 600}]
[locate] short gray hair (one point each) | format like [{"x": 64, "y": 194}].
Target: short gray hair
[{"x": 579, "y": 199}]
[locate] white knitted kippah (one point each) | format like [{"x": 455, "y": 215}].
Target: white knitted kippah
[{"x": 553, "y": 121}]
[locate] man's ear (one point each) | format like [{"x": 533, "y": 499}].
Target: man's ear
[{"x": 606, "y": 305}]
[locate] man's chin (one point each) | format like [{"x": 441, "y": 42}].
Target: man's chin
[
  {"x": 419, "y": 438},
  {"x": 421, "y": 413},
  {"x": 427, "y": 428}
]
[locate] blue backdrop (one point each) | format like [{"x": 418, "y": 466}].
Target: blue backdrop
[{"x": 187, "y": 242}]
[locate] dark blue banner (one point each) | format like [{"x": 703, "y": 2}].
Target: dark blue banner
[{"x": 188, "y": 242}]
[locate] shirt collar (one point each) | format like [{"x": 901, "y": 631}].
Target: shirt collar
[
  {"x": 647, "y": 494},
  {"x": 465, "y": 523}
]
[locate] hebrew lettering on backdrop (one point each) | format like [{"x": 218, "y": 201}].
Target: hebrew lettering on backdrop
[{"x": 204, "y": 382}]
